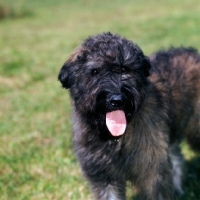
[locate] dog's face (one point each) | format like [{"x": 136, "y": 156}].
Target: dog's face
[{"x": 106, "y": 76}]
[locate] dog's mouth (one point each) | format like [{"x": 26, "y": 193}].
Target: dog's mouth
[
  {"x": 116, "y": 122},
  {"x": 114, "y": 112}
]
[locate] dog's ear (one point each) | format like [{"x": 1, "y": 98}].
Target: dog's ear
[
  {"x": 66, "y": 73},
  {"x": 146, "y": 66},
  {"x": 64, "y": 77}
]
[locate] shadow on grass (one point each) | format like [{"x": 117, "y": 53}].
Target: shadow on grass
[{"x": 192, "y": 182}]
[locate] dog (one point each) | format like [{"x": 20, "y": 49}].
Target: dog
[{"x": 130, "y": 113}]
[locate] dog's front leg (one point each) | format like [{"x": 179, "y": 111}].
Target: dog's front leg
[
  {"x": 158, "y": 184},
  {"x": 109, "y": 191}
]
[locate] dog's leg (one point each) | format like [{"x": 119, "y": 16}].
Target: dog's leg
[
  {"x": 157, "y": 184},
  {"x": 114, "y": 191},
  {"x": 177, "y": 161},
  {"x": 165, "y": 181}
]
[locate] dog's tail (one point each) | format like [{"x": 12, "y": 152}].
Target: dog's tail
[{"x": 193, "y": 137}]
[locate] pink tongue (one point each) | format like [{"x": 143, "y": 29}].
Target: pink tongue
[{"x": 116, "y": 122}]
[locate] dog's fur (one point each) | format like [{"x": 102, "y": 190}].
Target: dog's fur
[{"x": 160, "y": 110}]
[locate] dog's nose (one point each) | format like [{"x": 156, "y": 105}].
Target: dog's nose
[{"x": 117, "y": 100}]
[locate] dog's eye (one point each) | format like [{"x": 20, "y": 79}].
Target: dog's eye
[
  {"x": 95, "y": 72},
  {"x": 123, "y": 69}
]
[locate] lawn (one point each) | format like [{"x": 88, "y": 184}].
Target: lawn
[{"x": 36, "y": 37}]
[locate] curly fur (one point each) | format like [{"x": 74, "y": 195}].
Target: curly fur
[{"x": 160, "y": 110}]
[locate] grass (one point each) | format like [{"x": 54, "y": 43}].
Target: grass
[
  {"x": 36, "y": 155},
  {"x": 16, "y": 9}
]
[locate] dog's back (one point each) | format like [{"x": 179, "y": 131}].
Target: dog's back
[{"x": 179, "y": 70}]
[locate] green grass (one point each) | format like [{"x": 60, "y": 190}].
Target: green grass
[{"x": 36, "y": 155}]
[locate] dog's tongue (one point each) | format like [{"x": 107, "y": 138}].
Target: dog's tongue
[{"x": 116, "y": 122}]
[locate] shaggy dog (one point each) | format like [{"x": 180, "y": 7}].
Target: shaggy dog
[{"x": 130, "y": 113}]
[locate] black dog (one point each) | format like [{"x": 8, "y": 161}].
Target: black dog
[{"x": 127, "y": 124}]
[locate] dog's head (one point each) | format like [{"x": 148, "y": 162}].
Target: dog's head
[{"x": 106, "y": 76}]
